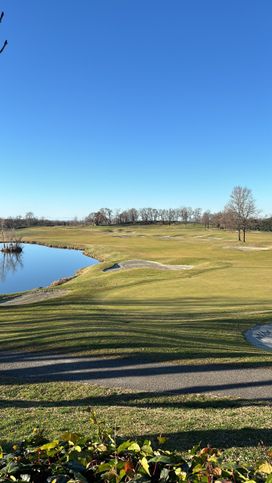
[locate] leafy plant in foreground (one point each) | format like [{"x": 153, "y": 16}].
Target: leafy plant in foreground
[{"x": 100, "y": 457}]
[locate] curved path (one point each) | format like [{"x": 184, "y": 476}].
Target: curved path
[{"x": 247, "y": 382}]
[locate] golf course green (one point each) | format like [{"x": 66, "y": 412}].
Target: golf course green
[{"x": 196, "y": 315}]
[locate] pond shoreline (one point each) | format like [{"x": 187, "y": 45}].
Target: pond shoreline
[
  {"x": 66, "y": 247},
  {"x": 33, "y": 296},
  {"x": 6, "y": 296}
]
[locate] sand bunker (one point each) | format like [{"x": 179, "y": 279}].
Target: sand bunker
[
  {"x": 35, "y": 296},
  {"x": 169, "y": 237},
  {"x": 252, "y": 249},
  {"x": 146, "y": 264},
  {"x": 260, "y": 336},
  {"x": 249, "y": 249}
]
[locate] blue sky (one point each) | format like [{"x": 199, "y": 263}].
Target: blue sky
[{"x": 125, "y": 103}]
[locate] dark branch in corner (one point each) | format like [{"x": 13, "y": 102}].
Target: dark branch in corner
[
  {"x": 4, "y": 46},
  {"x": 6, "y": 42}
]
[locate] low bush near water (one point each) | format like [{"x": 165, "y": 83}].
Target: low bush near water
[{"x": 101, "y": 458}]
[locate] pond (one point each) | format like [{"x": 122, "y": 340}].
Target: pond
[{"x": 38, "y": 266}]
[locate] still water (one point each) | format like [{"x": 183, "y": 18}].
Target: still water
[{"x": 38, "y": 266}]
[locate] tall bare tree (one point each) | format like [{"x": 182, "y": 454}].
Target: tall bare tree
[{"x": 241, "y": 208}]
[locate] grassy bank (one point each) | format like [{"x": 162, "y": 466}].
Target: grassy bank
[{"x": 195, "y": 316}]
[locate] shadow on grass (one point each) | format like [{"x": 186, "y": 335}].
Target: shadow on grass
[
  {"x": 146, "y": 378},
  {"x": 157, "y": 336},
  {"x": 220, "y": 438},
  {"x": 150, "y": 400},
  {"x": 181, "y": 334}
]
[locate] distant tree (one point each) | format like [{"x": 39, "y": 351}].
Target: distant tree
[
  {"x": 241, "y": 209},
  {"x": 100, "y": 218},
  {"x": 162, "y": 215},
  {"x": 133, "y": 215},
  {"x": 197, "y": 215},
  {"x": 144, "y": 214},
  {"x": 90, "y": 219},
  {"x": 29, "y": 216},
  {"x": 186, "y": 213},
  {"x": 108, "y": 213},
  {"x": 106, "y": 216},
  {"x": 206, "y": 219},
  {"x": 6, "y": 42},
  {"x": 171, "y": 215}
]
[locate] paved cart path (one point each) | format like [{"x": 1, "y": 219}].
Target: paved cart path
[{"x": 218, "y": 379}]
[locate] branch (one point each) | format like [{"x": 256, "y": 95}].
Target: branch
[
  {"x": 6, "y": 42},
  {"x": 4, "y": 46}
]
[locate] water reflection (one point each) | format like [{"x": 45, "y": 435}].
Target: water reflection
[
  {"x": 10, "y": 262},
  {"x": 38, "y": 266}
]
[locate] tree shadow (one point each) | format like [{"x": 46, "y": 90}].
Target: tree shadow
[
  {"x": 245, "y": 381},
  {"x": 173, "y": 329},
  {"x": 220, "y": 438}
]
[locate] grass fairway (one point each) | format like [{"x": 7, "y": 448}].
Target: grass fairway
[{"x": 195, "y": 316}]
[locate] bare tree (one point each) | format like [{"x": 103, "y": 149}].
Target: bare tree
[
  {"x": 241, "y": 208},
  {"x": 133, "y": 215},
  {"x": 206, "y": 219},
  {"x": 29, "y": 216},
  {"x": 197, "y": 215},
  {"x": 186, "y": 213}
]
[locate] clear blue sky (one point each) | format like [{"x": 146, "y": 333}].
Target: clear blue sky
[{"x": 125, "y": 103}]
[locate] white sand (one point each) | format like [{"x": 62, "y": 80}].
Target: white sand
[
  {"x": 249, "y": 249},
  {"x": 146, "y": 264},
  {"x": 260, "y": 336}
]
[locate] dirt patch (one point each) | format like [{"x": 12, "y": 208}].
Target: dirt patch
[
  {"x": 35, "y": 296},
  {"x": 146, "y": 264}
]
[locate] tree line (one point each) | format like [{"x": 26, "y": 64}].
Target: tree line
[{"x": 240, "y": 213}]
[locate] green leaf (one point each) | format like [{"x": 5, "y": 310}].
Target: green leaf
[
  {"x": 164, "y": 475},
  {"x": 181, "y": 474},
  {"x": 134, "y": 447},
  {"x": 73, "y": 437},
  {"x": 145, "y": 465},
  {"x": 265, "y": 468},
  {"x": 77, "y": 448},
  {"x": 102, "y": 447},
  {"x": 51, "y": 445},
  {"x": 197, "y": 469},
  {"x": 122, "y": 474},
  {"x": 161, "y": 439},
  {"x": 105, "y": 467},
  {"x": 122, "y": 447}
]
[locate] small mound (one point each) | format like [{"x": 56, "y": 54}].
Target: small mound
[
  {"x": 146, "y": 264},
  {"x": 35, "y": 296},
  {"x": 260, "y": 336}
]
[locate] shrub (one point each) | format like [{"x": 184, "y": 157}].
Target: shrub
[{"x": 102, "y": 458}]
